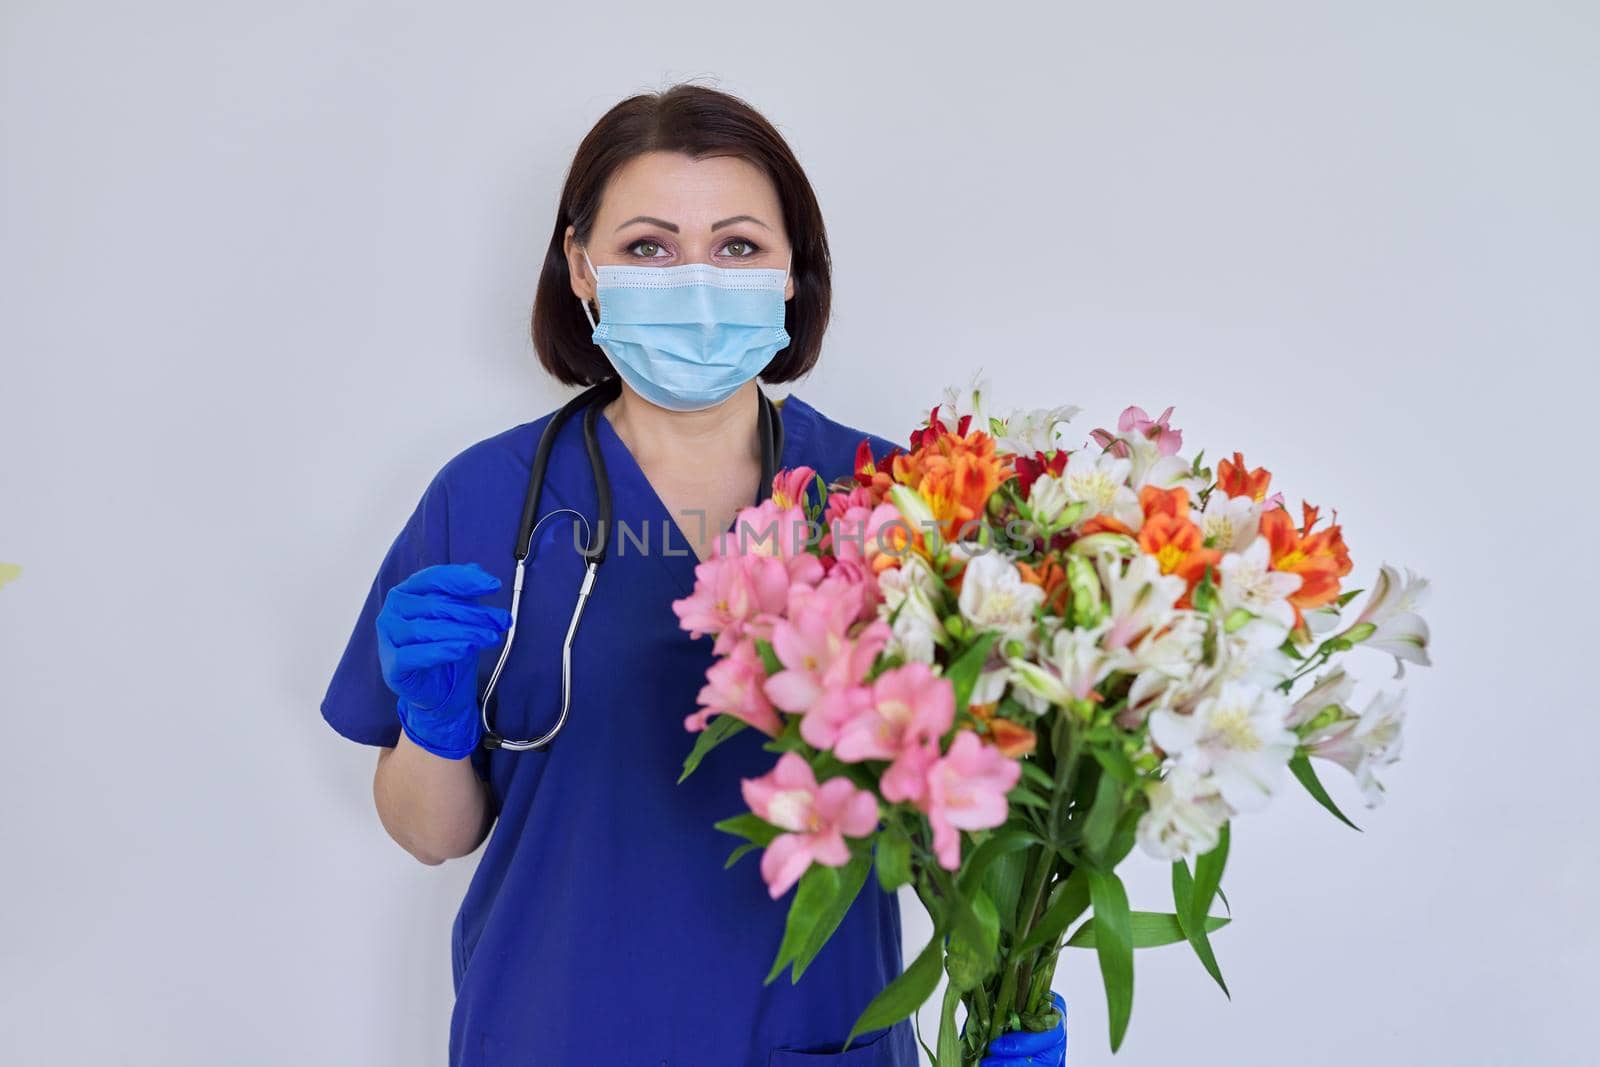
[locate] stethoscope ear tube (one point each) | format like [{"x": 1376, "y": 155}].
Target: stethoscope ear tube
[
  {"x": 596, "y": 541},
  {"x": 593, "y": 397}
]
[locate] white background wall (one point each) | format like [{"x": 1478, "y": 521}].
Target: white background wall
[{"x": 264, "y": 267}]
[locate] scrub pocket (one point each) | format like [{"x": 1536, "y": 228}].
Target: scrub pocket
[{"x": 870, "y": 1052}]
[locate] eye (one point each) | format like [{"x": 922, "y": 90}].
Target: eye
[
  {"x": 645, "y": 243},
  {"x": 740, "y": 242}
]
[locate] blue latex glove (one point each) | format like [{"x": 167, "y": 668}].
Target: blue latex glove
[
  {"x": 429, "y": 637},
  {"x": 1045, "y": 1049}
]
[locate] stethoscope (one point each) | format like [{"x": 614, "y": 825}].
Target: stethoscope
[{"x": 770, "y": 427}]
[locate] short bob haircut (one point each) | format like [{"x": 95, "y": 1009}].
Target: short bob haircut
[{"x": 701, "y": 122}]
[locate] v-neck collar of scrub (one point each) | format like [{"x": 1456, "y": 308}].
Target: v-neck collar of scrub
[{"x": 634, "y": 499}]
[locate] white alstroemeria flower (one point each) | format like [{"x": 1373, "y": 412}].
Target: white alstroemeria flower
[
  {"x": 1168, "y": 666},
  {"x": 909, "y": 593},
  {"x": 1102, "y": 481},
  {"x": 1138, "y": 595},
  {"x": 1047, "y": 499},
  {"x": 1237, "y": 738},
  {"x": 1228, "y": 523},
  {"x": 1028, "y": 698},
  {"x": 967, "y": 400},
  {"x": 991, "y": 684},
  {"x": 1076, "y": 662},
  {"x": 1246, "y": 580},
  {"x": 1150, "y": 467},
  {"x": 1252, "y": 654},
  {"x": 1392, "y": 607},
  {"x": 994, "y": 596},
  {"x": 1186, "y": 816},
  {"x": 1038, "y": 430},
  {"x": 1361, "y": 745},
  {"x": 1334, "y": 688}
]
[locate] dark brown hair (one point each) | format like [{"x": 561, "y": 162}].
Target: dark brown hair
[{"x": 701, "y": 122}]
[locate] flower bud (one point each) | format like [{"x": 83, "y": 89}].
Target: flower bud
[{"x": 1087, "y": 606}]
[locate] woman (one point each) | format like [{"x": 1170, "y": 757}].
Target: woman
[{"x": 601, "y": 925}]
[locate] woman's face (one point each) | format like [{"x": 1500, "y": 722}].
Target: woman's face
[{"x": 661, "y": 209}]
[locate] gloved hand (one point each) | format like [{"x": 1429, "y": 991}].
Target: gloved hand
[
  {"x": 429, "y": 637},
  {"x": 1045, "y": 1049}
]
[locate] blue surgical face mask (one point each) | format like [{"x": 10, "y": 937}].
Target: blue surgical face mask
[{"x": 686, "y": 337}]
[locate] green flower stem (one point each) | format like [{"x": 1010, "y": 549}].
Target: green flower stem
[
  {"x": 997, "y": 1022},
  {"x": 1046, "y": 868}
]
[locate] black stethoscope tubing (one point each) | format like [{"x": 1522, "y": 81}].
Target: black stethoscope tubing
[{"x": 595, "y": 397}]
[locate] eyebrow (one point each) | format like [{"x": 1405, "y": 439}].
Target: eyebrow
[{"x": 665, "y": 225}]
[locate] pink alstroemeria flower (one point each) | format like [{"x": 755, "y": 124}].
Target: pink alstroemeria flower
[
  {"x": 967, "y": 791},
  {"x": 817, "y": 818},
  {"x": 734, "y": 596},
  {"x": 856, "y": 532},
  {"x": 823, "y": 663},
  {"x": 776, "y": 532},
  {"x": 911, "y": 710},
  {"x": 839, "y": 504},
  {"x": 852, "y": 577},
  {"x": 734, "y": 687},
  {"x": 1134, "y": 420}
]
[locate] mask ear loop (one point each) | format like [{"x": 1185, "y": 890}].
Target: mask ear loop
[{"x": 584, "y": 304}]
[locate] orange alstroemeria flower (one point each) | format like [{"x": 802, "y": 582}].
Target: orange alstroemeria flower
[
  {"x": 1173, "y": 539},
  {"x": 954, "y": 473},
  {"x": 1235, "y": 480},
  {"x": 1320, "y": 558},
  {"x": 1103, "y": 523},
  {"x": 1010, "y": 738},
  {"x": 1050, "y": 576}
]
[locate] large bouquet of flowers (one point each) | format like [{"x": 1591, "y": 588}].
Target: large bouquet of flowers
[{"x": 991, "y": 665}]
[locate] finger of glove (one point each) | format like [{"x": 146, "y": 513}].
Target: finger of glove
[
  {"x": 436, "y": 607},
  {"x": 453, "y": 579},
  {"x": 1018, "y": 1046}
]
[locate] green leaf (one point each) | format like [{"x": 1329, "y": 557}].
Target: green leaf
[
  {"x": 1071, "y": 899},
  {"x": 1123, "y": 840},
  {"x": 893, "y": 860},
  {"x": 853, "y": 877},
  {"x": 749, "y": 826},
  {"x": 1148, "y": 929},
  {"x": 1301, "y": 766},
  {"x": 993, "y": 847},
  {"x": 1208, "y": 874},
  {"x": 963, "y": 673},
  {"x": 1026, "y": 798},
  {"x": 971, "y": 959},
  {"x": 824, "y": 895},
  {"x": 720, "y": 728},
  {"x": 1037, "y": 775},
  {"x": 1102, "y": 820},
  {"x": 733, "y": 857},
  {"x": 903, "y": 996},
  {"x": 1192, "y": 922},
  {"x": 1003, "y": 882},
  {"x": 949, "y": 1040},
  {"x": 1115, "y": 947},
  {"x": 1116, "y": 763}
]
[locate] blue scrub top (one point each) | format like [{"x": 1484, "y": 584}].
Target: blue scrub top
[{"x": 600, "y": 926}]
